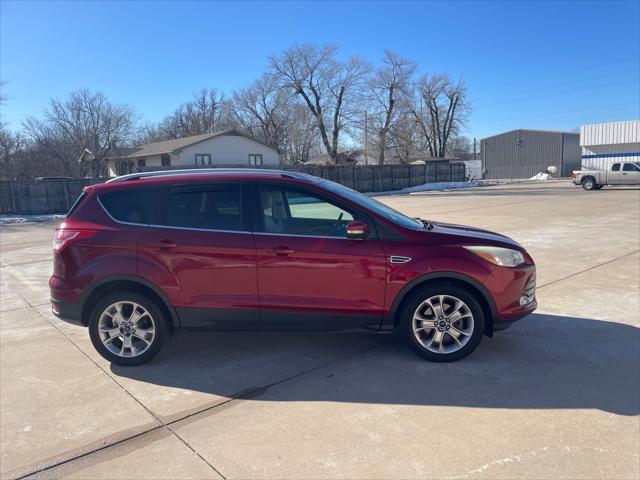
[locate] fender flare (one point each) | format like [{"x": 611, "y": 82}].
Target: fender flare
[
  {"x": 86, "y": 293},
  {"x": 441, "y": 275}
]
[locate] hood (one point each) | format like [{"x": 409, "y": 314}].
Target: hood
[{"x": 472, "y": 233}]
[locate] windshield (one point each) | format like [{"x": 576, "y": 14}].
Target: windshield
[{"x": 374, "y": 205}]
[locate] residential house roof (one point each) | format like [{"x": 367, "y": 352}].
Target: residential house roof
[{"x": 177, "y": 144}]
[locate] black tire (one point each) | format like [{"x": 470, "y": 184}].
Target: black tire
[
  {"x": 589, "y": 183},
  {"x": 411, "y": 304},
  {"x": 157, "y": 317},
  {"x": 599, "y": 187}
]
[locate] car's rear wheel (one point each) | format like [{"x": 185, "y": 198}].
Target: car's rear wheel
[
  {"x": 442, "y": 323},
  {"x": 127, "y": 328},
  {"x": 589, "y": 183}
]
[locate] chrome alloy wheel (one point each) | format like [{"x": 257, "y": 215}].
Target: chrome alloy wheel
[
  {"x": 443, "y": 324},
  {"x": 126, "y": 329}
]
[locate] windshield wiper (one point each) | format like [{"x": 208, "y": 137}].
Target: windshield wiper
[{"x": 426, "y": 224}]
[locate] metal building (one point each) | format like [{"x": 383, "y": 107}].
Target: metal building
[
  {"x": 524, "y": 153},
  {"x": 605, "y": 143}
]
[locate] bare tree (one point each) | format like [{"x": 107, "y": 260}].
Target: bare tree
[
  {"x": 84, "y": 121},
  {"x": 443, "y": 111},
  {"x": 261, "y": 109},
  {"x": 459, "y": 147},
  {"x": 300, "y": 139},
  {"x": 274, "y": 115},
  {"x": 404, "y": 138},
  {"x": 10, "y": 144},
  {"x": 3, "y": 95},
  {"x": 326, "y": 86},
  {"x": 388, "y": 90},
  {"x": 208, "y": 112}
]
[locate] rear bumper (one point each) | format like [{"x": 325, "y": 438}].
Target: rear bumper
[{"x": 69, "y": 312}]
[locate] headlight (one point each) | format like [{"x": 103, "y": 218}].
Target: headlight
[{"x": 505, "y": 257}]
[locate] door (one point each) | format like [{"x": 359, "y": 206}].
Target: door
[
  {"x": 630, "y": 174},
  {"x": 615, "y": 175},
  {"x": 310, "y": 275},
  {"x": 201, "y": 252}
]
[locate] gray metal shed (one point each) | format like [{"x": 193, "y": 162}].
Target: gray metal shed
[{"x": 523, "y": 153}]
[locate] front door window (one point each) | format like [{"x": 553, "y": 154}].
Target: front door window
[{"x": 295, "y": 212}]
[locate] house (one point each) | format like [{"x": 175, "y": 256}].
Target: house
[{"x": 224, "y": 148}]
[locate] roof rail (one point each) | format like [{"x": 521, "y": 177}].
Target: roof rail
[{"x": 202, "y": 171}]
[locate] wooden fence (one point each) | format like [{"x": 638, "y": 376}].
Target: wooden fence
[{"x": 57, "y": 196}]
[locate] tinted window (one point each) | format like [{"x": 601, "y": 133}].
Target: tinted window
[
  {"x": 212, "y": 208},
  {"x": 76, "y": 204},
  {"x": 629, "y": 167},
  {"x": 616, "y": 167},
  {"x": 295, "y": 212},
  {"x": 131, "y": 206},
  {"x": 374, "y": 205}
]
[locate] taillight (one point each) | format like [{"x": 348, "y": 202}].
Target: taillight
[
  {"x": 64, "y": 236},
  {"x": 573, "y": 175}
]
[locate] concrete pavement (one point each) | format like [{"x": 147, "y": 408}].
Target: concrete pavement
[{"x": 556, "y": 395}]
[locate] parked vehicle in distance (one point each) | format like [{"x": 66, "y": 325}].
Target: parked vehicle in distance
[
  {"x": 619, "y": 173},
  {"x": 53, "y": 179},
  {"x": 236, "y": 249}
]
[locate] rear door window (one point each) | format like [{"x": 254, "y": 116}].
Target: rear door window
[
  {"x": 615, "y": 167},
  {"x": 131, "y": 206},
  {"x": 206, "y": 208}
]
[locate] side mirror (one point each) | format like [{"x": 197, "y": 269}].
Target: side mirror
[{"x": 357, "y": 230}]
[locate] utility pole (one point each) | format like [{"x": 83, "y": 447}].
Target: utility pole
[
  {"x": 474, "y": 148},
  {"x": 421, "y": 121},
  {"x": 366, "y": 138}
]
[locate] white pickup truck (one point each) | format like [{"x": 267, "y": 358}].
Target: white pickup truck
[{"x": 619, "y": 173}]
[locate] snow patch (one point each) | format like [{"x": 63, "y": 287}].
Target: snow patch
[
  {"x": 9, "y": 219},
  {"x": 427, "y": 187},
  {"x": 541, "y": 177}
]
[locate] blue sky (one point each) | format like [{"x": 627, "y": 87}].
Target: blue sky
[{"x": 550, "y": 65}]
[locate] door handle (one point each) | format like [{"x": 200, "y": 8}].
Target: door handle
[
  {"x": 282, "y": 251},
  {"x": 163, "y": 244}
]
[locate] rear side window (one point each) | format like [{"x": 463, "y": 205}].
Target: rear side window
[
  {"x": 77, "y": 203},
  {"x": 616, "y": 167},
  {"x": 208, "y": 208},
  {"x": 131, "y": 206}
]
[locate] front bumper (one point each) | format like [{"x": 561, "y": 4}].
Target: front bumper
[
  {"x": 505, "y": 323},
  {"x": 69, "y": 312},
  {"x": 514, "y": 293}
]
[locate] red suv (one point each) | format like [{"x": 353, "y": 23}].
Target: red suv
[{"x": 231, "y": 250}]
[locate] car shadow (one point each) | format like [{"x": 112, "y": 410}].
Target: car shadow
[{"x": 543, "y": 362}]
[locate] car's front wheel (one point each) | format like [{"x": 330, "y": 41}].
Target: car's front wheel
[
  {"x": 442, "y": 323},
  {"x": 127, "y": 328}
]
